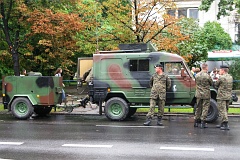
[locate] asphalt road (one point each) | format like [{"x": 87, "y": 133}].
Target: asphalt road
[{"x": 80, "y": 137}]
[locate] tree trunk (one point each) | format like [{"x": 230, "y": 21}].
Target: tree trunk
[{"x": 15, "y": 58}]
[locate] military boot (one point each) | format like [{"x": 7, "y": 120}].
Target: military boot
[
  {"x": 225, "y": 126},
  {"x": 203, "y": 125},
  {"x": 159, "y": 123},
  {"x": 219, "y": 126},
  {"x": 196, "y": 122},
  {"x": 148, "y": 121}
]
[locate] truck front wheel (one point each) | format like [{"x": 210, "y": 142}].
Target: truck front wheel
[
  {"x": 116, "y": 109},
  {"x": 21, "y": 108}
]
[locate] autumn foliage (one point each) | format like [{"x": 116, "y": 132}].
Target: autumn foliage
[{"x": 55, "y": 33}]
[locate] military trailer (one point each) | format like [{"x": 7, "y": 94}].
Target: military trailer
[
  {"x": 120, "y": 80},
  {"x": 23, "y": 95}
]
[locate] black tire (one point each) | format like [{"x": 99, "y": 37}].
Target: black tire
[
  {"x": 41, "y": 110},
  {"x": 116, "y": 109},
  {"x": 131, "y": 111},
  {"x": 21, "y": 108},
  {"x": 212, "y": 111}
]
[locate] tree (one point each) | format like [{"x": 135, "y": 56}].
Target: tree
[
  {"x": 224, "y": 6},
  {"x": 13, "y": 30},
  {"x": 131, "y": 21},
  {"x": 216, "y": 37},
  {"x": 31, "y": 47},
  {"x": 194, "y": 49},
  {"x": 55, "y": 33}
]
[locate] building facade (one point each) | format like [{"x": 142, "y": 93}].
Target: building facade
[{"x": 189, "y": 8}]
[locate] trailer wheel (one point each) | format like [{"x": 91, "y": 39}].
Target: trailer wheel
[
  {"x": 116, "y": 109},
  {"x": 21, "y": 108},
  {"x": 212, "y": 111}
]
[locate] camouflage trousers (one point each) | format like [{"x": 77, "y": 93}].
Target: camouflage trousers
[
  {"x": 161, "y": 104},
  {"x": 222, "y": 108},
  {"x": 202, "y": 109}
]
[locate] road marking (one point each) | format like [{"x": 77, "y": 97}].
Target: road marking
[
  {"x": 130, "y": 126},
  {"x": 5, "y": 159},
  {"x": 187, "y": 149},
  {"x": 11, "y": 143},
  {"x": 87, "y": 146}
]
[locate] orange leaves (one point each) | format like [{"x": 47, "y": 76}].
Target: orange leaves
[{"x": 50, "y": 23}]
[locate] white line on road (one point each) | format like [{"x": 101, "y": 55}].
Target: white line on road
[
  {"x": 11, "y": 143},
  {"x": 87, "y": 146},
  {"x": 5, "y": 159},
  {"x": 187, "y": 149},
  {"x": 129, "y": 126}
]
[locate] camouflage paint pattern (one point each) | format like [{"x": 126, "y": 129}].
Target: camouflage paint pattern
[
  {"x": 113, "y": 71},
  {"x": 222, "y": 108},
  {"x": 224, "y": 85},
  {"x": 40, "y": 90},
  {"x": 203, "y": 95},
  {"x": 153, "y": 103},
  {"x": 204, "y": 81},
  {"x": 159, "y": 84}
]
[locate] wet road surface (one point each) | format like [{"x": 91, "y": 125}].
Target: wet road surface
[{"x": 95, "y": 137}]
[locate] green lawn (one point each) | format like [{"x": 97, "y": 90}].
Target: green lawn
[{"x": 1, "y": 107}]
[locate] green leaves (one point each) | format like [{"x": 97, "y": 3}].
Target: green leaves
[{"x": 224, "y": 6}]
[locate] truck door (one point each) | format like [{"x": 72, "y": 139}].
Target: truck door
[{"x": 180, "y": 85}]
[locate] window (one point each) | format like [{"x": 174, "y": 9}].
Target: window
[
  {"x": 186, "y": 12},
  {"x": 173, "y": 68},
  {"x": 139, "y": 65}
]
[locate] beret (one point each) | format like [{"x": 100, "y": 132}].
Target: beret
[
  {"x": 158, "y": 65},
  {"x": 224, "y": 66}
]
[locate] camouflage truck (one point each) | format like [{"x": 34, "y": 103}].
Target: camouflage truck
[
  {"x": 24, "y": 94},
  {"x": 120, "y": 80}
]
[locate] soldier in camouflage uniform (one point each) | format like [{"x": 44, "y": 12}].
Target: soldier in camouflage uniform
[
  {"x": 224, "y": 85},
  {"x": 203, "y": 83},
  {"x": 159, "y": 82}
]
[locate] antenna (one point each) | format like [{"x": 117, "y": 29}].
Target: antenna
[{"x": 97, "y": 47}]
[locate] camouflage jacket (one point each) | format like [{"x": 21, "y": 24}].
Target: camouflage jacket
[
  {"x": 159, "y": 84},
  {"x": 203, "y": 83},
  {"x": 224, "y": 85}
]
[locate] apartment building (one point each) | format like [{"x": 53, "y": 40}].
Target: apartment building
[{"x": 189, "y": 8}]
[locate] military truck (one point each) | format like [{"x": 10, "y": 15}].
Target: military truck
[
  {"x": 23, "y": 95},
  {"x": 120, "y": 80}
]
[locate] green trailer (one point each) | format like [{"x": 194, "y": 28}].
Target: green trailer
[{"x": 23, "y": 95}]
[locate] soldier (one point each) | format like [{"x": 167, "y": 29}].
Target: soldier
[
  {"x": 203, "y": 83},
  {"x": 159, "y": 82},
  {"x": 224, "y": 85}
]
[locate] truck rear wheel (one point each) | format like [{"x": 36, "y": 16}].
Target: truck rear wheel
[
  {"x": 212, "y": 111},
  {"x": 21, "y": 108},
  {"x": 116, "y": 109}
]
